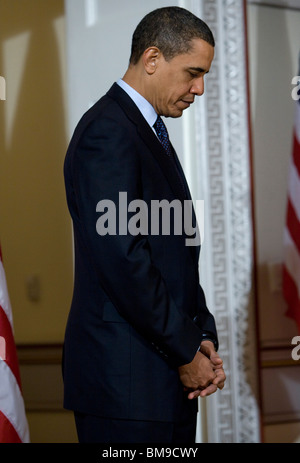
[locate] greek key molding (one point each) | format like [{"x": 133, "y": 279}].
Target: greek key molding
[{"x": 222, "y": 151}]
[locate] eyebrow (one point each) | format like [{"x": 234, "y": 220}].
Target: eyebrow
[{"x": 198, "y": 70}]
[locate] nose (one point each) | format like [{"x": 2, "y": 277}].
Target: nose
[{"x": 198, "y": 86}]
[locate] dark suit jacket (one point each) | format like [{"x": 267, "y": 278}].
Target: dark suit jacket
[{"x": 132, "y": 319}]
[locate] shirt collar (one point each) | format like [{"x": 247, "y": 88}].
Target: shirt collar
[{"x": 144, "y": 106}]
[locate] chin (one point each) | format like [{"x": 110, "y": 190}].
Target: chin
[{"x": 176, "y": 112}]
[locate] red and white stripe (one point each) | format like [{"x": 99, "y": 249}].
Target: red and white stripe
[
  {"x": 291, "y": 264},
  {"x": 13, "y": 422}
]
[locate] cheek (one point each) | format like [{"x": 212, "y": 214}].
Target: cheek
[
  {"x": 167, "y": 96},
  {"x": 174, "y": 93}
]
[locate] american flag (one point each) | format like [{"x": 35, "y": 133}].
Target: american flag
[
  {"x": 13, "y": 422},
  {"x": 291, "y": 263}
]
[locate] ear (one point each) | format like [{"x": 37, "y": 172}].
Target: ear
[{"x": 150, "y": 58}]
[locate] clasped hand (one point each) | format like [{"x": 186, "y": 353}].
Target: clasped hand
[{"x": 205, "y": 374}]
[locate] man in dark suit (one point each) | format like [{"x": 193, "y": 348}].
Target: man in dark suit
[{"x": 140, "y": 344}]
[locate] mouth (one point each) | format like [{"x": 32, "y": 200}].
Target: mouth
[{"x": 187, "y": 102}]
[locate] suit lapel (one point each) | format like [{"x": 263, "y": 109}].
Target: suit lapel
[{"x": 167, "y": 165}]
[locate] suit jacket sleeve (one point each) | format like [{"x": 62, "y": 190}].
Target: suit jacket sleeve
[{"x": 105, "y": 162}]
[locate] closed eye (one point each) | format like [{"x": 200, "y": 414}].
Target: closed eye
[{"x": 196, "y": 72}]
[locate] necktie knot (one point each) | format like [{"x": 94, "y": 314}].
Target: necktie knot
[{"x": 162, "y": 134}]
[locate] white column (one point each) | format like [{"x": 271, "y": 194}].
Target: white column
[{"x": 223, "y": 169}]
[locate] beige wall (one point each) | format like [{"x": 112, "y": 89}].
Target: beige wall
[
  {"x": 34, "y": 224},
  {"x": 35, "y": 230}
]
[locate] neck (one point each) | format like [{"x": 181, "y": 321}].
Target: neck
[{"x": 136, "y": 80}]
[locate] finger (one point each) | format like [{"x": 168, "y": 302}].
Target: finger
[
  {"x": 219, "y": 381},
  {"x": 208, "y": 390},
  {"x": 194, "y": 394},
  {"x": 220, "y": 375},
  {"x": 216, "y": 360},
  {"x": 216, "y": 367},
  {"x": 202, "y": 392},
  {"x": 220, "y": 384}
]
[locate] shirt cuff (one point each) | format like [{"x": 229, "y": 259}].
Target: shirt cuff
[{"x": 207, "y": 337}]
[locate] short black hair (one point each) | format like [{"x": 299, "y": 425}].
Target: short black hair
[{"x": 171, "y": 29}]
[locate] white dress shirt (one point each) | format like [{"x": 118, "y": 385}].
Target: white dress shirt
[{"x": 144, "y": 106}]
